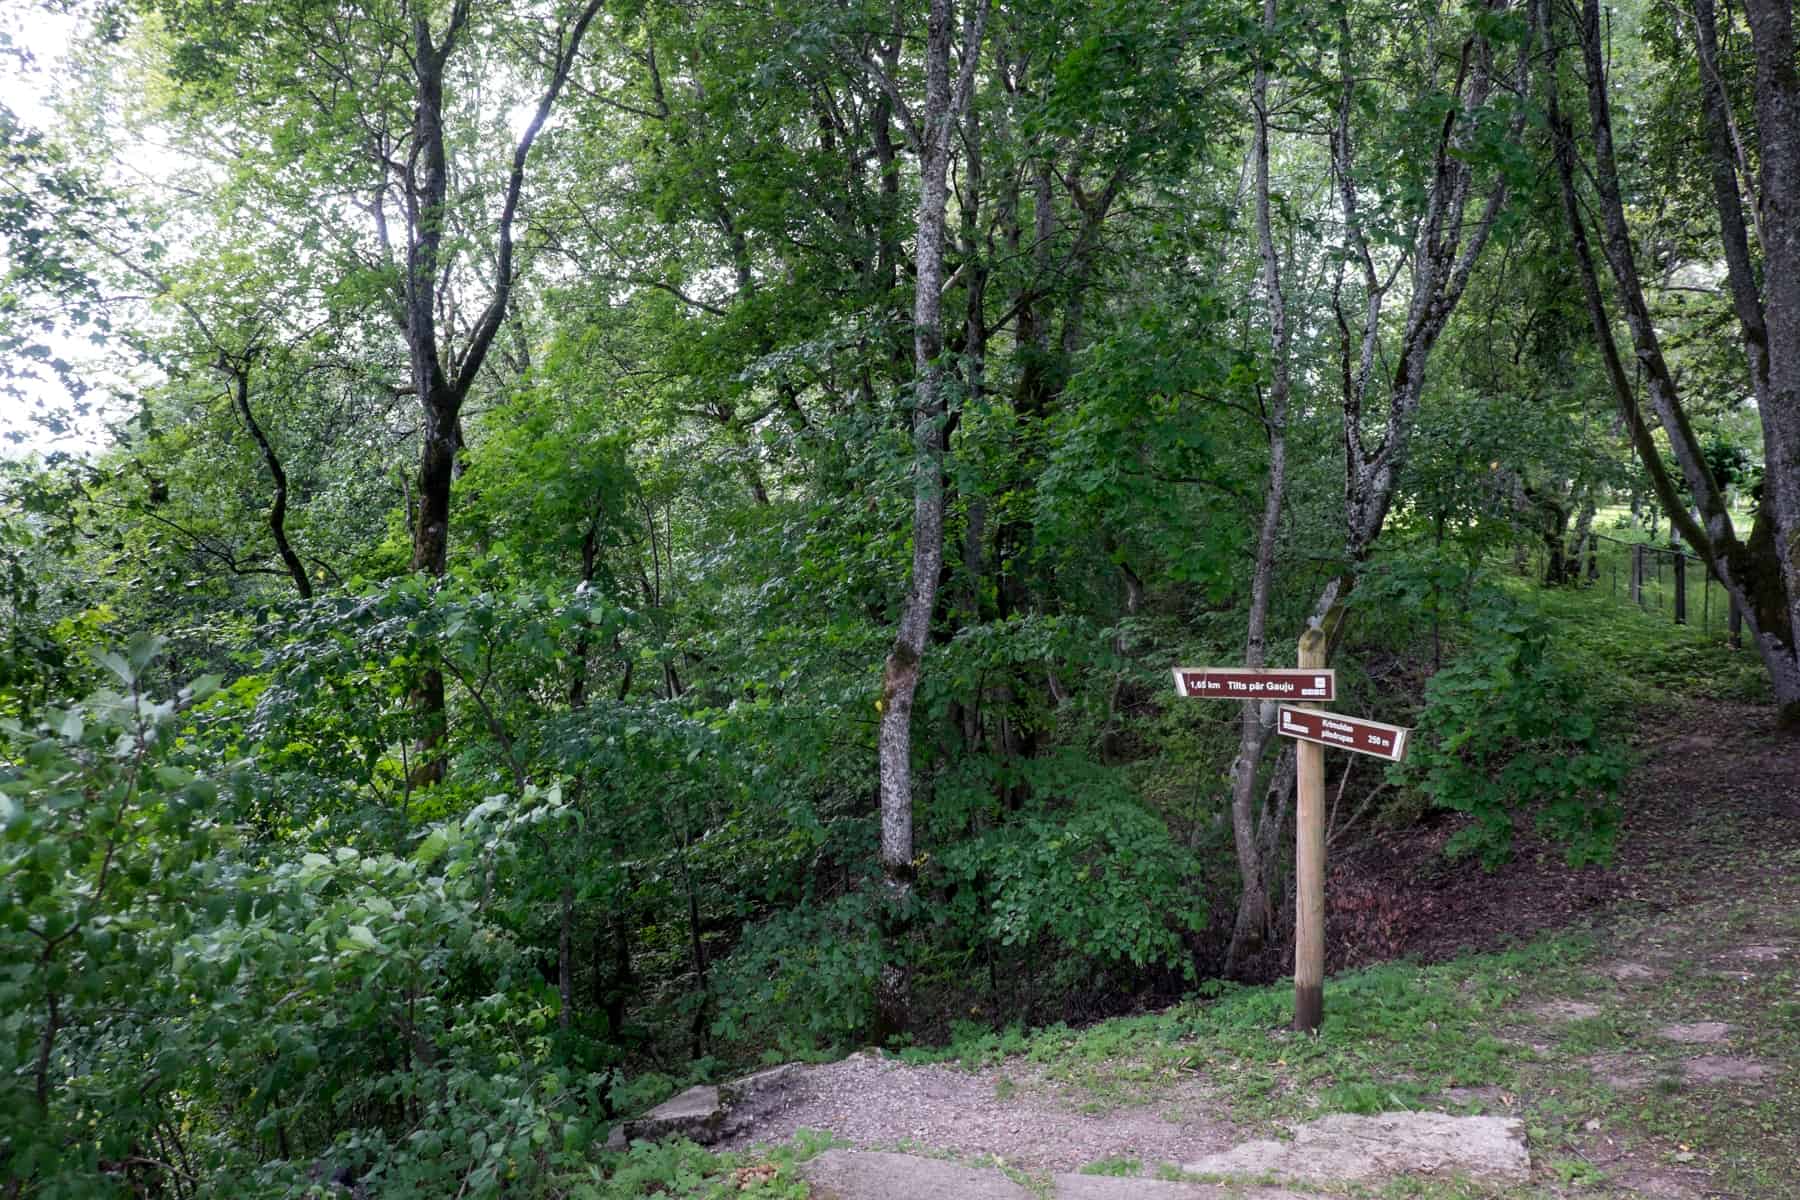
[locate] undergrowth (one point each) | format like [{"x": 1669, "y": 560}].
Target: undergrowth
[
  {"x": 1640, "y": 655},
  {"x": 683, "y": 1169}
]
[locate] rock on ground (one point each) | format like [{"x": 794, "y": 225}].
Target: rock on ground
[
  {"x": 708, "y": 1114},
  {"x": 1568, "y": 1010},
  {"x": 1722, "y": 1068},
  {"x": 1697, "y": 1033},
  {"x": 866, "y": 1175},
  {"x": 1348, "y": 1148}
]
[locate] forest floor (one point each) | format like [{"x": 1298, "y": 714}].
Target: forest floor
[{"x": 1641, "y": 1021}]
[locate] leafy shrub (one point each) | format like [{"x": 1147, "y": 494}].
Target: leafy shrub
[
  {"x": 1508, "y": 728},
  {"x": 804, "y": 977},
  {"x": 175, "y": 1001},
  {"x": 1106, "y": 883}
]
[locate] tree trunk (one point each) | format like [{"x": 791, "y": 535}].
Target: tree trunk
[
  {"x": 565, "y": 966},
  {"x": 439, "y": 382},
  {"x": 1584, "y": 536},
  {"x": 240, "y": 394},
  {"x": 1251, "y": 927},
  {"x": 1778, "y": 130},
  {"x": 900, "y": 678}
]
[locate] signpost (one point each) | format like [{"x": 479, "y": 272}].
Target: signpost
[
  {"x": 1243, "y": 683},
  {"x": 1346, "y": 733},
  {"x": 1306, "y": 686}
]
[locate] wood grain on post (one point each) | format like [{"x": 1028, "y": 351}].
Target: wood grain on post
[{"x": 1309, "y": 863}]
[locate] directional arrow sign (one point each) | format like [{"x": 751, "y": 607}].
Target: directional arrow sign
[
  {"x": 1241, "y": 683},
  {"x": 1346, "y": 733}
]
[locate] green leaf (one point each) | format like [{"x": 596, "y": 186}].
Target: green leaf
[{"x": 432, "y": 848}]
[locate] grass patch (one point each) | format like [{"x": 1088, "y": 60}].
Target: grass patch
[
  {"x": 1646, "y": 656},
  {"x": 1395, "y": 1037},
  {"x": 1115, "y": 1165}
]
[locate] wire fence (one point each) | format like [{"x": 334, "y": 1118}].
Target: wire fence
[{"x": 1661, "y": 579}]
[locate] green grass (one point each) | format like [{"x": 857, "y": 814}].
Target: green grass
[
  {"x": 1643, "y": 657},
  {"x": 1395, "y": 1036},
  {"x": 1115, "y": 1165}
]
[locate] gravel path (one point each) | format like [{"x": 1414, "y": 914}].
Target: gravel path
[{"x": 1029, "y": 1122}]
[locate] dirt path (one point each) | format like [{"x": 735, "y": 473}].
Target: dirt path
[{"x": 1011, "y": 1112}]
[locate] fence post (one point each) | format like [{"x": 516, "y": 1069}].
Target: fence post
[
  {"x": 1680, "y": 589},
  {"x": 1637, "y": 574}
]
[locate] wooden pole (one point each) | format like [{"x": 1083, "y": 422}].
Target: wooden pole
[
  {"x": 1637, "y": 574},
  {"x": 1309, "y": 864}
]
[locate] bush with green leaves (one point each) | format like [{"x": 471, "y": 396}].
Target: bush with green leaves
[
  {"x": 182, "y": 1010},
  {"x": 110, "y": 855},
  {"x": 803, "y": 978},
  {"x": 1104, "y": 884},
  {"x": 1510, "y": 728}
]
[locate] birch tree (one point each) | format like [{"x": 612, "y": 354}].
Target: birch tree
[
  {"x": 1254, "y": 733},
  {"x": 928, "y": 131}
]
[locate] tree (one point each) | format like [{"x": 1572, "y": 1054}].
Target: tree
[
  {"x": 929, "y": 130},
  {"x": 1463, "y": 130},
  {"x": 1252, "y": 915},
  {"x": 1759, "y": 574},
  {"x": 306, "y": 62}
]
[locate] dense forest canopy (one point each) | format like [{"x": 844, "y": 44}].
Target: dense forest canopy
[{"x": 631, "y": 538}]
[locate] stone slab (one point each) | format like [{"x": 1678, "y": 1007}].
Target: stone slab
[
  {"x": 696, "y": 1114},
  {"x": 705, "y": 1114},
  {"x": 1722, "y": 1068},
  {"x": 1345, "y": 1148},
  {"x": 1697, "y": 1033},
  {"x": 877, "y": 1175},
  {"x": 866, "y": 1175},
  {"x": 1115, "y": 1187}
]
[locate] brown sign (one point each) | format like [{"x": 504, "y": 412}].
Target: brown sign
[
  {"x": 1240, "y": 683},
  {"x": 1346, "y": 733}
]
